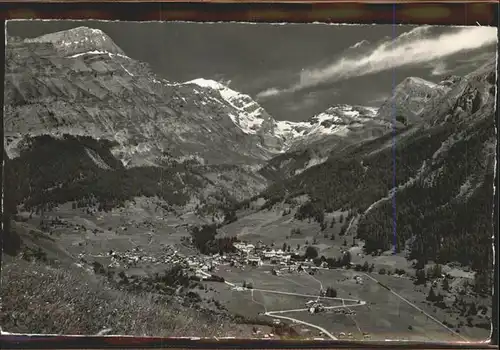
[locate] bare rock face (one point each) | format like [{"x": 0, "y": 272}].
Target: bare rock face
[
  {"x": 79, "y": 82},
  {"x": 409, "y": 99}
]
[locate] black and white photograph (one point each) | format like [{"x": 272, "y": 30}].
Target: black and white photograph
[{"x": 246, "y": 180}]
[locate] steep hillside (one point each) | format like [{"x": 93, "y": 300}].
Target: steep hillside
[
  {"x": 445, "y": 208},
  {"x": 443, "y": 171}
]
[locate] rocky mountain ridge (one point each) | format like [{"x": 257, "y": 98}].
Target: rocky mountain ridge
[
  {"x": 54, "y": 83},
  {"x": 79, "y": 40},
  {"x": 409, "y": 99}
]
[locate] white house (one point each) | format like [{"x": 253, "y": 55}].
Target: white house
[
  {"x": 255, "y": 261},
  {"x": 270, "y": 253}
]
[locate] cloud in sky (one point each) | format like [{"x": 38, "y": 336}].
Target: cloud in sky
[
  {"x": 409, "y": 48},
  {"x": 269, "y": 93},
  {"x": 440, "y": 69}
]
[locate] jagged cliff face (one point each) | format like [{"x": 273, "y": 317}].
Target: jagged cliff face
[{"x": 79, "y": 82}]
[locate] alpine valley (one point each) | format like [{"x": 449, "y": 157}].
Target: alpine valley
[{"x": 120, "y": 181}]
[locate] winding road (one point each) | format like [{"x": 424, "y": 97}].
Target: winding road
[{"x": 277, "y": 314}]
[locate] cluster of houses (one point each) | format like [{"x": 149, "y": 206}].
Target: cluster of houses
[
  {"x": 256, "y": 255},
  {"x": 134, "y": 257},
  {"x": 315, "y": 306}
]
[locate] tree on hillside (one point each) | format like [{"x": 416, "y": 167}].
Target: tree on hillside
[
  {"x": 431, "y": 296},
  {"x": 446, "y": 285},
  {"x": 311, "y": 252},
  {"x": 371, "y": 268},
  {"x": 331, "y": 292},
  {"x": 420, "y": 277},
  {"x": 333, "y": 222},
  {"x": 284, "y": 247},
  {"x": 342, "y": 230},
  {"x": 482, "y": 283},
  {"x": 346, "y": 259},
  {"x": 472, "y": 309},
  {"x": 230, "y": 216},
  {"x": 341, "y": 218},
  {"x": 323, "y": 225}
]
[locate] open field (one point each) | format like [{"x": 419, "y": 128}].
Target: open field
[
  {"x": 140, "y": 225},
  {"x": 271, "y": 227},
  {"x": 385, "y": 315}
]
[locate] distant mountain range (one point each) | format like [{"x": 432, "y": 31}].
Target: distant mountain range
[{"x": 82, "y": 83}]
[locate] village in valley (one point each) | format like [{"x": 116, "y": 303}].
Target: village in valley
[{"x": 291, "y": 285}]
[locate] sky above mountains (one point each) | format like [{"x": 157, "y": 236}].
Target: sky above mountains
[{"x": 294, "y": 70}]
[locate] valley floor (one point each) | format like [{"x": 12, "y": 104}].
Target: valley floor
[{"x": 69, "y": 298}]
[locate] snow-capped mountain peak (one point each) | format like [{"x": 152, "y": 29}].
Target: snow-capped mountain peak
[
  {"x": 79, "y": 40},
  {"x": 336, "y": 120},
  {"x": 250, "y": 117},
  {"x": 253, "y": 119}
]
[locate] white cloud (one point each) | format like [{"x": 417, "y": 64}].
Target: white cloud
[
  {"x": 409, "y": 48},
  {"x": 268, "y": 93},
  {"x": 440, "y": 69}
]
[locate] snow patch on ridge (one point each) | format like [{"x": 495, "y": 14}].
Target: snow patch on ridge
[
  {"x": 249, "y": 119},
  {"x": 96, "y": 52}
]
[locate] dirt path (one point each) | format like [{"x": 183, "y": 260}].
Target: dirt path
[
  {"x": 274, "y": 314},
  {"x": 304, "y": 323}
]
